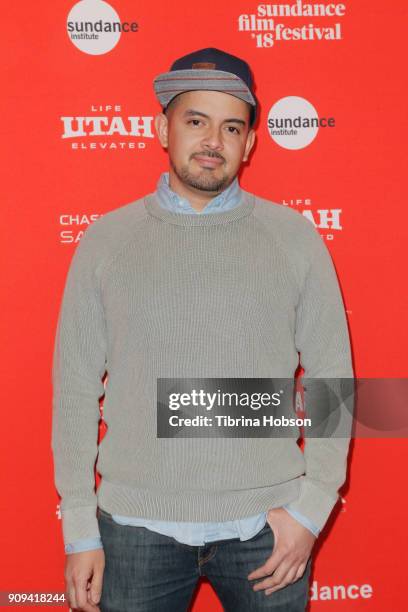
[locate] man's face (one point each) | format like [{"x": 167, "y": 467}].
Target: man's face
[{"x": 207, "y": 136}]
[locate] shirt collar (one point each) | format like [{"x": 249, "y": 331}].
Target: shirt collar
[{"x": 169, "y": 199}]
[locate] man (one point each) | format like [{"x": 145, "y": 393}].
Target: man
[{"x": 198, "y": 279}]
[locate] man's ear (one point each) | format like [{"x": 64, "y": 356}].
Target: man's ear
[
  {"x": 249, "y": 144},
  {"x": 161, "y": 124}
]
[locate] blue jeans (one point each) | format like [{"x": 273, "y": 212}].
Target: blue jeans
[{"x": 150, "y": 572}]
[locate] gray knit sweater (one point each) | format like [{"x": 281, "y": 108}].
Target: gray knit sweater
[{"x": 152, "y": 293}]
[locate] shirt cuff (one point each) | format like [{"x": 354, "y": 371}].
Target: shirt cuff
[{"x": 83, "y": 545}]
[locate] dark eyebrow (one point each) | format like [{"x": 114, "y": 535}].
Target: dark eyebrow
[{"x": 191, "y": 111}]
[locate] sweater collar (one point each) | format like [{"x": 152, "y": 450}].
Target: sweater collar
[{"x": 243, "y": 209}]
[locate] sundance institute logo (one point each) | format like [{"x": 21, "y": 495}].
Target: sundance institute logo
[
  {"x": 293, "y": 122},
  {"x": 94, "y": 27}
]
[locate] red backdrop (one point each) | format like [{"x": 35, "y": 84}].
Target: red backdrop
[{"x": 55, "y": 184}]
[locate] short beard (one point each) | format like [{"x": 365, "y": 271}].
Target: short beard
[{"x": 204, "y": 182}]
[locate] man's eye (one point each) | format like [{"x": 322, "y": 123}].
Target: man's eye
[{"x": 229, "y": 127}]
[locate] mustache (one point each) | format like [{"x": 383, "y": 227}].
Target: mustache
[{"x": 208, "y": 154}]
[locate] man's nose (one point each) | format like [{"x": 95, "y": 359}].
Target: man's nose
[{"x": 213, "y": 139}]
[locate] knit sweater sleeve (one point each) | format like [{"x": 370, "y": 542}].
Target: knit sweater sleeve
[
  {"x": 322, "y": 339},
  {"x": 78, "y": 367}
]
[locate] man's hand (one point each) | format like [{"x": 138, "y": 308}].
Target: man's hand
[
  {"x": 291, "y": 552},
  {"x": 83, "y": 579}
]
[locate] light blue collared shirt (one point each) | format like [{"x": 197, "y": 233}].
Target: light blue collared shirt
[
  {"x": 194, "y": 533},
  {"x": 172, "y": 201}
]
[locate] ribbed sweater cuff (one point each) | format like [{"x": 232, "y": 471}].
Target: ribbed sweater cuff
[
  {"x": 314, "y": 503},
  {"x": 78, "y": 523}
]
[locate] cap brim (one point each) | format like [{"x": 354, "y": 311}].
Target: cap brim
[{"x": 169, "y": 84}]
